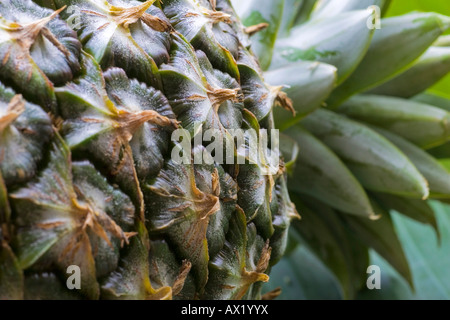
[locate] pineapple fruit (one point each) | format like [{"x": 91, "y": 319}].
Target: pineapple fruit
[{"x": 91, "y": 92}]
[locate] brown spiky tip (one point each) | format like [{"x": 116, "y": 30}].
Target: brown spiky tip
[
  {"x": 99, "y": 222},
  {"x": 181, "y": 278},
  {"x": 126, "y": 16},
  {"x": 129, "y": 122},
  {"x": 26, "y": 34},
  {"x": 207, "y": 204},
  {"x": 282, "y": 99},
  {"x": 217, "y": 96},
  {"x": 263, "y": 262},
  {"x": 57, "y": 121},
  {"x": 218, "y": 16},
  {"x": 250, "y": 277},
  {"x": 213, "y": 15},
  {"x": 15, "y": 108},
  {"x": 256, "y": 28},
  {"x": 293, "y": 213}
]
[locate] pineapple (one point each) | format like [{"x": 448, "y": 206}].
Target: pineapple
[{"x": 92, "y": 93}]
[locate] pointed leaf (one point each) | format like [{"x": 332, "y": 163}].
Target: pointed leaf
[
  {"x": 381, "y": 236},
  {"x": 418, "y": 210},
  {"x": 403, "y": 39},
  {"x": 322, "y": 231},
  {"x": 330, "y": 8},
  {"x": 434, "y": 99},
  {"x": 320, "y": 174},
  {"x": 424, "y": 125},
  {"x": 376, "y": 162},
  {"x": 428, "y": 70},
  {"x": 341, "y": 41},
  {"x": 437, "y": 176},
  {"x": 291, "y": 10},
  {"x": 304, "y": 13}
]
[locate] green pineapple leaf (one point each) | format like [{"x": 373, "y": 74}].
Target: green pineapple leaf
[
  {"x": 329, "y": 8},
  {"x": 431, "y": 67},
  {"x": 341, "y": 41},
  {"x": 291, "y": 9},
  {"x": 381, "y": 236},
  {"x": 319, "y": 173},
  {"x": 418, "y": 210},
  {"x": 434, "y": 99},
  {"x": 437, "y": 176},
  {"x": 322, "y": 231},
  {"x": 403, "y": 39},
  {"x": 375, "y": 162},
  {"x": 424, "y": 125},
  {"x": 304, "y": 12}
]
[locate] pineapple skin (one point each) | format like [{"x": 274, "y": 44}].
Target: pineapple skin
[{"x": 90, "y": 94}]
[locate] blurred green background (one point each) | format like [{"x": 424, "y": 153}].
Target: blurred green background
[{"x": 302, "y": 276}]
